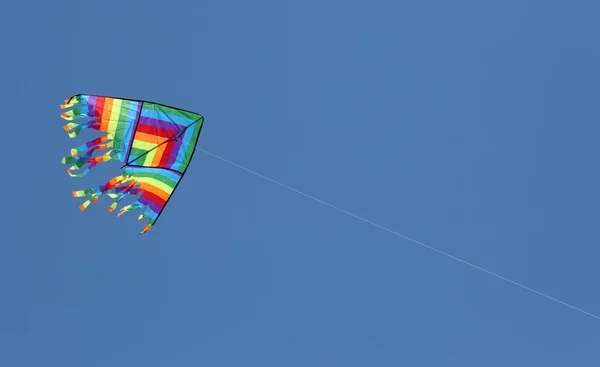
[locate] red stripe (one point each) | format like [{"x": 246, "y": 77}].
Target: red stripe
[
  {"x": 99, "y": 140},
  {"x": 164, "y": 159},
  {"x": 100, "y": 106},
  {"x": 153, "y": 130},
  {"x": 155, "y": 198}
]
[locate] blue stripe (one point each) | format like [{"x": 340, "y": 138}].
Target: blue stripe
[
  {"x": 185, "y": 147},
  {"x": 160, "y": 115},
  {"x": 132, "y": 109},
  {"x": 171, "y": 175},
  {"x": 133, "y": 114}
]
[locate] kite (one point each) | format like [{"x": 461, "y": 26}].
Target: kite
[{"x": 155, "y": 143}]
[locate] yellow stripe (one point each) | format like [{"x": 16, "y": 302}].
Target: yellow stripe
[
  {"x": 158, "y": 156},
  {"x": 156, "y": 183},
  {"x": 114, "y": 115},
  {"x": 138, "y": 144},
  {"x": 149, "y": 147},
  {"x": 149, "y": 157}
]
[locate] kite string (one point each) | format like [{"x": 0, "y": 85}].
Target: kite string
[{"x": 498, "y": 276}]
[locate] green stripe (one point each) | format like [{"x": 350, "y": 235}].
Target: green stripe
[
  {"x": 171, "y": 111},
  {"x": 189, "y": 149},
  {"x": 156, "y": 176}
]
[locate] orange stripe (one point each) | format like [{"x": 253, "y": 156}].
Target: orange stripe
[
  {"x": 149, "y": 138},
  {"x": 160, "y": 151},
  {"x": 155, "y": 190},
  {"x": 99, "y": 107},
  {"x": 106, "y": 113}
]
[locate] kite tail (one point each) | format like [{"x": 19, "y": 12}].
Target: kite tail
[
  {"x": 79, "y": 160},
  {"x": 124, "y": 191},
  {"x": 97, "y": 119},
  {"x": 110, "y": 188},
  {"x": 148, "y": 213},
  {"x": 118, "y": 188},
  {"x": 75, "y": 100},
  {"x": 82, "y": 112}
]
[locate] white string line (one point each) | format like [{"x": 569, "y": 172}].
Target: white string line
[{"x": 403, "y": 236}]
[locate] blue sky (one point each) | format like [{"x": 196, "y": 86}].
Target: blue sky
[{"x": 471, "y": 126}]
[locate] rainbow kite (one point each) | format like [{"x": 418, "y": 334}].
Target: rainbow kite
[{"x": 155, "y": 142}]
